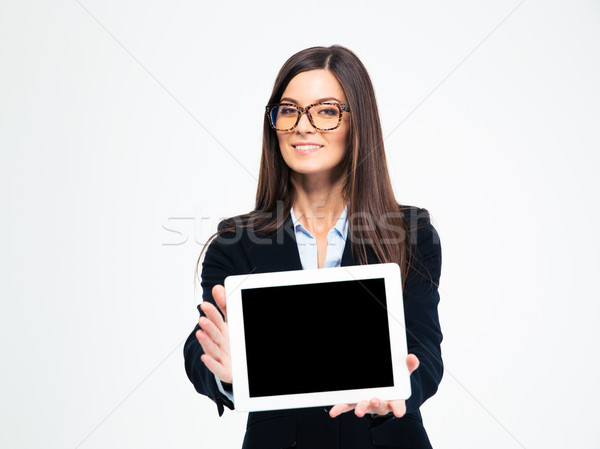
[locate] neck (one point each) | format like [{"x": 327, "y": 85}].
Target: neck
[{"x": 318, "y": 203}]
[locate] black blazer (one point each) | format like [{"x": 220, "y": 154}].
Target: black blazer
[{"x": 313, "y": 428}]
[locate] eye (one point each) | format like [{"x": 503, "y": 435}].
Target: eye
[
  {"x": 329, "y": 111},
  {"x": 287, "y": 110}
]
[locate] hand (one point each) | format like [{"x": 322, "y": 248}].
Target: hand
[
  {"x": 398, "y": 407},
  {"x": 213, "y": 336}
]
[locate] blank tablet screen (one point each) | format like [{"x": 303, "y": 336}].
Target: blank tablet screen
[{"x": 309, "y": 338}]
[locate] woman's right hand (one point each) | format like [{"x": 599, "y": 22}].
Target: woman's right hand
[{"x": 213, "y": 336}]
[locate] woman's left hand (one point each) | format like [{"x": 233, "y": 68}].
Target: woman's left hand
[{"x": 398, "y": 407}]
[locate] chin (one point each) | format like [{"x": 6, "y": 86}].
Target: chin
[
  {"x": 312, "y": 164},
  {"x": 311, "y": 169}
]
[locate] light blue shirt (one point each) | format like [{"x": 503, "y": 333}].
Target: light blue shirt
[
  {"x": 307, "y": 243},
  {"x": 307, "y": 248}
]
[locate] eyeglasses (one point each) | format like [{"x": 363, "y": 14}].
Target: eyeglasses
[{"x": 325, "y": 116}]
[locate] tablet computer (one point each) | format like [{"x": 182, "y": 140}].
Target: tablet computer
[{"x": 318, "y": 337}]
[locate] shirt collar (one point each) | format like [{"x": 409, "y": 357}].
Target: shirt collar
[{"x": 341, "y": 226}]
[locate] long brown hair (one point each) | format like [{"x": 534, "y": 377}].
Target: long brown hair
[{"x": 364, "y": 173}]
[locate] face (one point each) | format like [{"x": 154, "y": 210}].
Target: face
[{"x": 305, "y": 149}]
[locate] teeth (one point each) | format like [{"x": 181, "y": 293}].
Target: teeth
[{"x": 307, "y": 147}]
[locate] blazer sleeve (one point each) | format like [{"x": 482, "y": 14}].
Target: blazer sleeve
[
  {"x": 217, "y": 265},
  {"x": 421, "y": 298}
]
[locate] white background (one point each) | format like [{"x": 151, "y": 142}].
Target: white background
[{"x": 118, "y": 159}]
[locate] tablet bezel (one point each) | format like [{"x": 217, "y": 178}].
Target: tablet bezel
[{"x": 390, "y": 272}]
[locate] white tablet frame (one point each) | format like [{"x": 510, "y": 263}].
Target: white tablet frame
[{"x": 390, "y": 272}]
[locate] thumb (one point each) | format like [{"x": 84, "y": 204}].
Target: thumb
[
  {"x": 412, "y": 362},
  {"x": 218, "y": 293}
]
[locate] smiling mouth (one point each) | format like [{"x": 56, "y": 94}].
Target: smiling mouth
[{"x": 307, "y": 147}]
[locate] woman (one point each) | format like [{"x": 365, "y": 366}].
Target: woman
[{"x": 324, "y": 199}]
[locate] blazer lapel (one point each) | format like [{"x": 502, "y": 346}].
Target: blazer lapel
[
  {"x": 279, "y": 251},
  {"x": 275, "y": 252},
  {"x": 349, "y": 258}
]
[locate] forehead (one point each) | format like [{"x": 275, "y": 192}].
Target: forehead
[{"x": 313, "y": 85}]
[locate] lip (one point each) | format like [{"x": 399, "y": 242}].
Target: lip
[{"x": 315, "y": 147}]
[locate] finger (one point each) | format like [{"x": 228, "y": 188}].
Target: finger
[
  {"x": 209, "y": 346},
  {"x": 211, "y": 330},
  {"x": 361, "y": 408},
  {"x": 218, "y": 293},
  {"x": 218, "y": 369},
  {"x": 213, "y": 314},
  {"x": 378, "y": 407},
  {"x": 412, "y": 362},
  {"x": 398, "y": 408},
  {"x": 338, "y": 409}
]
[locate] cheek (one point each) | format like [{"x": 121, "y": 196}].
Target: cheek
[
  {"x": 281, "y": 138},
  {"x": 341, "y": 140}
]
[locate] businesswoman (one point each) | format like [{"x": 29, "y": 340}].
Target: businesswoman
[{"x": 324, "y": 199}]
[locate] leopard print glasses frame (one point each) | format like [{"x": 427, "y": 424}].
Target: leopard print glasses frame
[{"x": 273, "y": 108}]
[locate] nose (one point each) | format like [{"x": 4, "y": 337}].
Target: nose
[{"x": 304, "y": 125}]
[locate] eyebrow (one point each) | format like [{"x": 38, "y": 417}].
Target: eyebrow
[{"x": 290, "y": 100}]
